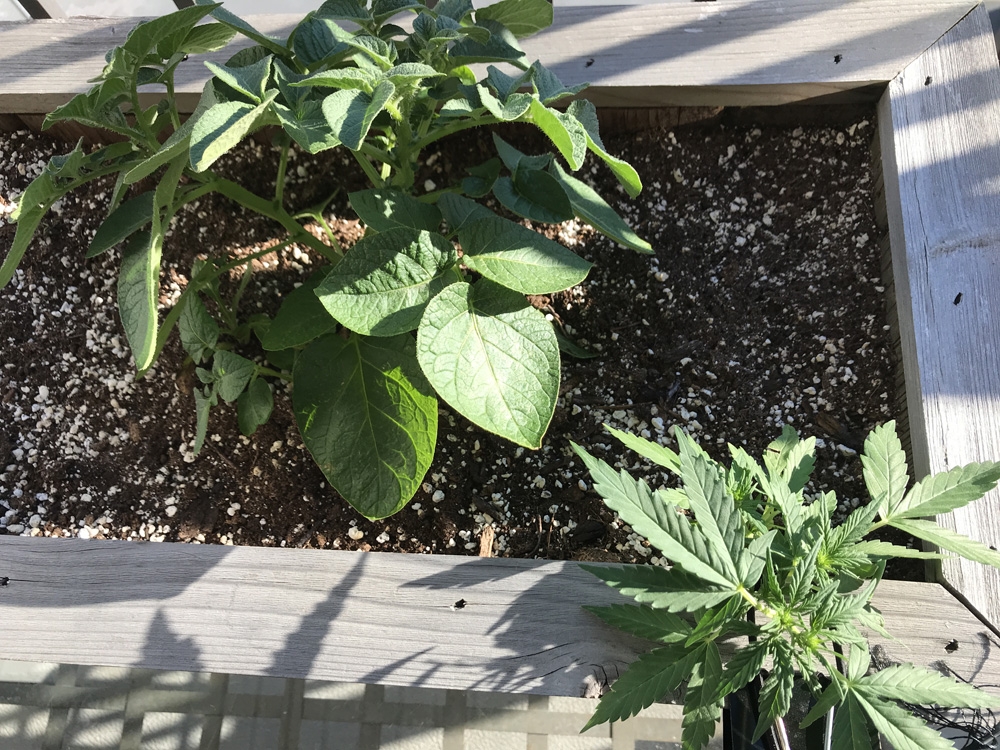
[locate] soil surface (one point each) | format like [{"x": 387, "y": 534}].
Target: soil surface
[{"x": 762, "y": 306}]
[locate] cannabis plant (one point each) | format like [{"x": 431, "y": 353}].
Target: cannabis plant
[
  {"x": 755, "y": 555},
  {"x": 404, "y": 316}
]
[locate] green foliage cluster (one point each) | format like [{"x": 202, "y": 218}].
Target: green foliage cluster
[
  {"x": 754, "y": 556},
  {"x": 400, "y": 319}
]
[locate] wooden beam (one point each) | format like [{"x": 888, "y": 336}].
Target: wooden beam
[
  {"x": 730, "y": 52},
  {"x": 441, "y": 621},
  {"x": 939, "y": 124}
]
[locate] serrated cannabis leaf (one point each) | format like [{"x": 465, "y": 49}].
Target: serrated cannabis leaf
[
  {"x": 948, "y": 491},
  {"x": 491, "y": 336},
  {"x": 885, "y": 468},
  {"x": 648, "y": 679},
  {"x": 655, "y": 452},
  {"x": 904, "y": 730},
  {"x": 905, "y": 682},
  {"x": 702, "y": 705},
  {"x": 949, "y": 540},
  {"x": 776, "y": 694},
  {"x": 672, "y": 590},
  {"x": 644, "y": 622},
  {"x": 850, "y": 726},
  {"x": 681, "y": 541}
]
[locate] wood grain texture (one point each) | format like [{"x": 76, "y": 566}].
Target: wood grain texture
[
  {"x": 939, "y": 126},
  {"x": 369, "y": 617},
  {"x": 739, "y": 52}
]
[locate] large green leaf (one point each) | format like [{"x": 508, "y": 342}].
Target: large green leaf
[
  {"x": 138, "y": 293},
  {"x": 177, "y": 143},
  {"x": 198, "y": 330},
  {"x": 667, "y": 530},
  {"x": 385, "y": 281},
  {"x": 947, "y": 539},
  {"x": 204, "y": 400},
  {"x": 300, "y": 319},
  {"x": 317, "y": 40},
  {"x": 98, "y": 108},
  {"x": 511, "y": 109},
  {"x": 946, "y": 491},
  {"x": 384, "y": 9},
  {"x": 459, "y": 212},
  {"x": 534, "y": 195},
  {"x": 411, "y": 72},
  {"x": 128, "y": 218},
  {"x": 644, "y": 622},
  {"x": 672, "y": 590},
  {"x": 885, "y": 468},
  {"x": 345, "y": 10},
  {"x": 702, "y": 706},
  {"x": 387, "y": 208},
  {"x": 522, "y": 17},
  {"x": 515, "y": 160},
  {"x": 877, "y": 548},
  {"x": 586, "y": 113},
  {"x": 368, "y": 417},
  {"x": 350, "y": 112},
  {"x": 222, "y": 127},
  {"x": 520, "y": 258},
  {"x": 565, "y": 132},
  {"x": 592, "y": 208},
  {"x": 493, "y": 358},
  {"x": 649, "y": 678}
]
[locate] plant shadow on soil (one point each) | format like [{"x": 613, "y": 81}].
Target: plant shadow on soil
[{"x": 763, "y": 305}]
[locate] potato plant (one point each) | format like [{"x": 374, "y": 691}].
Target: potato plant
[{"x": 430, "y": 303}]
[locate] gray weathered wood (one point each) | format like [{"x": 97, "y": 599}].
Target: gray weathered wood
[
  {"x": 940, "y": 136},
  {"x": 676, "y": 53},
  {"x": 368, "y": 617}
]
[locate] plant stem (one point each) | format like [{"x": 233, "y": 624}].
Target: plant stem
[
  {"x": 369, "y": 169},
  {"x": 279, "y": 183},
  {"x": 261, "y": 370},
  {"x": 437, "y": 135}
]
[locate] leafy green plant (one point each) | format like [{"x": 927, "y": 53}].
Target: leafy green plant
[
  {"x": 754, "y": 555},
  {"x": 404, "y": 316}
]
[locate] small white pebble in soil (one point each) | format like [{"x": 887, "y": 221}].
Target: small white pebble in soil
[
  {"x": 438, "y": 496},
  {"x": 355, "y": 533}
]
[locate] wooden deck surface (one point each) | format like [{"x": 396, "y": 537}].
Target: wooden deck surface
[
  {"x": 939, "y": 126},
  {"x": 426, "y": 621},
  {"x": 727, "y": 52}
]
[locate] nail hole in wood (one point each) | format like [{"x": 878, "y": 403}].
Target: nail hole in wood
[
  {"x": 958, "y": 298},
  {"x": 460, "y": 604},
  {"x": 589, "y": 63},
  {"x": 952, "y": 647},
  {"x": 928, "y": 80},
  {"x": 837, "y": 59},
  {"x": 4, "y": 580}
]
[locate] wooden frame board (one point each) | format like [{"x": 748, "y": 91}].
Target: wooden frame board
[{"x": 933, "y": 64}]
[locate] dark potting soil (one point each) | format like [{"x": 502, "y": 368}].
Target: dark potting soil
[{"x": 762, "y": 306}]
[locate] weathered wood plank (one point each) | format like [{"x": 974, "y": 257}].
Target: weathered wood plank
[
  {"x": 939, "y": 126},
  {"x": 737, "y": 52},
  {"x": 377, "y": 618}
]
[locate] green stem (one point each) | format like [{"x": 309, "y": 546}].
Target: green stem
[
  {"x": 369, "y": 169},
  {"x": 457, "y": 127},
  {"x": 279, "y": 185},
  {"x": 175, "y": 118},
  {"x": 261, "y": 370}
]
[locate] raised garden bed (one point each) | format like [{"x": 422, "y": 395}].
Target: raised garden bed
[{"x": 939, "y": 156}]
